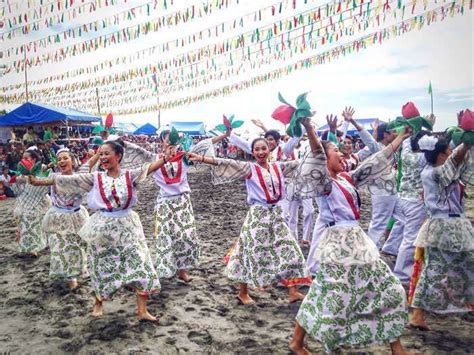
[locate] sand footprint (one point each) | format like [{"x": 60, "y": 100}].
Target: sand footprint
[{"x": 201, "y": 337}]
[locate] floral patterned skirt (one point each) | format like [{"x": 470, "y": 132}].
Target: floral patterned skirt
[
  {"x": 266, "y": 252},
  {"x": 354, "y": 305},
  {"x": 32, "y": 237},
  {"x": 68, "y": 250},
  {"x": 177, "y": 244},
  {"x": 118, "y": 255},
  {"x": 446, "y": 283}
]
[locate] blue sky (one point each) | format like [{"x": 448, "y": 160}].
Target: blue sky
[{"x": 377, "y": 81}]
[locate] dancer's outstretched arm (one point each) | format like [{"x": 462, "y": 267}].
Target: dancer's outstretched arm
[
  {"x": 201, "y": 159},
  {"x": 223, "y": 136}
]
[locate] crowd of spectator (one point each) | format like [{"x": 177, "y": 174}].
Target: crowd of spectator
[{"x": 49, "y": 140}]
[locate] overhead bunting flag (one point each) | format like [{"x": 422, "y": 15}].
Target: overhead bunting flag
[
  {"x": 132, "y": 91},
  {"x": 169, "y": 77},
  {"x": 89, "y": 45}
]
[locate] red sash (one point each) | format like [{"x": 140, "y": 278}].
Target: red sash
[
  {"x": 114, "y": 192},
  {"x": 173, "y": 180},
  {"x": 348, "y": 195},
  {"x": 264, "y": 187},
  {"x": 280, "y": 154}
]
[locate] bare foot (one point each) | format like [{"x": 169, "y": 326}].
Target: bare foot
[
  {"x": 34, "y": 254},
  {"x": 183, "y": 275},
  {"x": 295, "y": 296},
  {"x": 397, "y": 348},
  {"x": 417, "y": 320},
  {"x": 98, "y": 310},
  {"x": 245, "y": 299},
  {"x": 146, "y": 317},
  {"x": 72, "y": 284},
  {"x": 298, "y": 349}
]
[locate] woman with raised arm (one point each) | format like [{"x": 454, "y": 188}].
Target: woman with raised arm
[
  {"x": 31, "y": 204},
  {"x": 62, "y": 224},
  {"x": 446, "y": 283},
  {"x": 176, "y": 241},
  {"x": 266, "y": 251},
  {"x": 323, "y": 218},
  {"x": 354, "y": 298},
  {"x": 119, "y": 255}
]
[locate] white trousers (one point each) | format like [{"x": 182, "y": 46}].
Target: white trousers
[
  {"x": 392, "y": 244},
  {"x": 414, "y": 214},
  {"x": 382, "y": 210},
  {"x": 308, "y": 218}
]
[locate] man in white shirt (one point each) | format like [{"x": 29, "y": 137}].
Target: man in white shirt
[{"x": 5, "y": 183}]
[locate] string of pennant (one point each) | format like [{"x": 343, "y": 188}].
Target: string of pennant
[
  {"x": 118, "y": 105},
  {"x": 313, "y": 16},
  {"x": 128, "y": 34},
  {"x": 35, "y": 10},
  {"x": 310, "y": 39},
  {"x": 53, "y": 15},
  {"x": 125, "y": 34},
  {"x": 253, "y": 54}
]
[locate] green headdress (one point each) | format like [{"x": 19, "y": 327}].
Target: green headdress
[
  {"x": 98, "y": 129},
  {"x": 173, "y": 137}
]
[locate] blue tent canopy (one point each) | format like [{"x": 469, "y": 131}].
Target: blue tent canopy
[
  {"x": 192, "y": 128},
  {"x": 351, "y": 130},
  {"x": 125, "y": 127},
  {"x": 30, "y": 114},
  {"x": 147, "y": 129}
]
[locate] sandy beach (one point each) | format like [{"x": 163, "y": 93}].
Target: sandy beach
[{"x": 41, "y": 316}]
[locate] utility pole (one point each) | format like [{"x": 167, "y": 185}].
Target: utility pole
[
  {"x": 98, "y": 102},
  {"x": 157, "y": 99},
  {"x": 26, "y": 72}
]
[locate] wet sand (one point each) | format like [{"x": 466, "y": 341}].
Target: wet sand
[{"x": 40, "y": 316}]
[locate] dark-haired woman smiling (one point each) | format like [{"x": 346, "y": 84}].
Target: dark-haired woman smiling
[
  {"x": 119, "y": 255},
  {"x": 354, "y": 298},
  {"x": 62, "y": 223},
  {"x": 446, "y": 283},
  {"x": 266, "y": 252}
]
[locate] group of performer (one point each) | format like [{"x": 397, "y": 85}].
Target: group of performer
[{"x": 354, "y": 298}]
